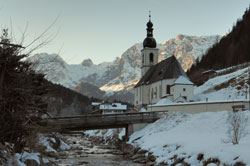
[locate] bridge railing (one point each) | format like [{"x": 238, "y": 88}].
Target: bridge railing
[
  {"x": 132, "y": 114},
  {"x": 96, "y": 121}
]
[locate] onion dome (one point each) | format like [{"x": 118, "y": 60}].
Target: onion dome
[{"x": 149, "y": 41}]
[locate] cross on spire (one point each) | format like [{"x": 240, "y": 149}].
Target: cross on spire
[{"x": 149, "y": 15}]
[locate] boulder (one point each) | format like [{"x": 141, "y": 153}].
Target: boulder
[{"x": 31, "y": 162}]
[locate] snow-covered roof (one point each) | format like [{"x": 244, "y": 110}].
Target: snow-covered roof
[
  {"x": 183, "y": 80},
  {"x": 164, "y": 101},
  {"x": 201, "y": 102},
  {"x": 208, "y": 71},
  {"x": 113, "y": 106},
  {"x": 95, "y": 103}
]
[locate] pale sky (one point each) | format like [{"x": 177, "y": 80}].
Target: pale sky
[{"x": 103, "y": 29}]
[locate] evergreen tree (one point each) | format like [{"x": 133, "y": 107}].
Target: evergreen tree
[{"x": 21, "y": 95}]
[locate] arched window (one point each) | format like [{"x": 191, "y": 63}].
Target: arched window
[{"x": 151, "y": 57}]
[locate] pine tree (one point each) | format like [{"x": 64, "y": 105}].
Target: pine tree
[{"x": 21, "y": 95}]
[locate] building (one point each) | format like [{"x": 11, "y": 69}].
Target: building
[
  {"x": 108, "y": 108},
  {"x": 166, "y": 79}
]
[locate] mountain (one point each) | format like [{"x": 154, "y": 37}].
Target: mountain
[
  {"x": 124, "y": 72},
  {"x": 65, "y": 102},
  {"x": 89, "y": 90}
]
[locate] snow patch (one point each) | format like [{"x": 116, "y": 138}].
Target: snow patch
[{"x": 189, "y": 135}]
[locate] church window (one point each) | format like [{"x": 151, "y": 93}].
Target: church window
[
  {"x": 140, "y": 93},
  {"x": 148, "y": 94},
  {"x": 155, "y": 92},
  {"x": 184, "y": 89},
  {"x": 151, "y": 57},
  {"x": 142, "y": 59},
  {"x": 168, "y": 89},
  {"x": 160, "y": 91},
  {"x": 152, "y": 93}
]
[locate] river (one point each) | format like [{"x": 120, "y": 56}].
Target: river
[{"x": 84, "y": 153}]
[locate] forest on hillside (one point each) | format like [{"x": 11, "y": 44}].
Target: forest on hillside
[{"x": 233, "y": 49}]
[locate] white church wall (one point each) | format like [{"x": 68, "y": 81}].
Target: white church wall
[
  {"x": 186, "y": 91},
  {"x": 141, "y": 95},
  {"x": 165, "y": 83},
  {"x": 145, "y": 94},
  {"x": 154, "y": 92},
  {"x": 159, "y": 89}
]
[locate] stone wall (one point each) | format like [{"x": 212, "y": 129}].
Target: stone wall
[{"x": 198, "y": 107}]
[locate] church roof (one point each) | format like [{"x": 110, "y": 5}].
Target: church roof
[
  {"x": 183, "y": 81},
  {"x": 166, "y": 69}
]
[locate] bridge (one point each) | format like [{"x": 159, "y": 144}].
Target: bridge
[{"x": 131, "y": 121}]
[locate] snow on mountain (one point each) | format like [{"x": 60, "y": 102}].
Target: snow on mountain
[
  {"x": 187, "y": 48},
  {"x": 123, "y": 73},
  {"x": 58, "y": 71}
]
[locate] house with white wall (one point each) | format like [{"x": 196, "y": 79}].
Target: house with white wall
[
  {"x": 166, "y": 79},
  {"x": 108, "y": 108}
]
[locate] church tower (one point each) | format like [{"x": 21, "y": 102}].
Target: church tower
[{"x": 149, "y": 51}]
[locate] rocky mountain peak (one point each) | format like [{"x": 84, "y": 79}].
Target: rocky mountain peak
[
  {"x": 87, "y": 62},
  {"x": 180, "y": 37}
]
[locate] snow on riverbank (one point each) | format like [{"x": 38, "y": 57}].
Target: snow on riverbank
[
  {"x": 46, "y": 147},
  {"x": 187, "y": 136}
]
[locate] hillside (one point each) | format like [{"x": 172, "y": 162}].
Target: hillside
[
  {"x": 66, "y": 102},
  {"x": 232, "y": 49},
  {"x": 186, "y": 139},
  {"x": 230, "y": 86},
  {"x": 198, "y": 139}
]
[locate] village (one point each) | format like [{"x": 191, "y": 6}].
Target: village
[{"x": 181, "y": 102}]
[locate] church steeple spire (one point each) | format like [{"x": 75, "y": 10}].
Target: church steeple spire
[
  {"x": 149, "y": 15},
  {"x": 149, "y": 41}
]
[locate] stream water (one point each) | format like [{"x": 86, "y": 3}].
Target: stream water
[{"x": 84, "y": 153}]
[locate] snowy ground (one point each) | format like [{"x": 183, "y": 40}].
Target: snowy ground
[
  {"x": 228, "y": 93},
  {"x": 187, "y": 135}
]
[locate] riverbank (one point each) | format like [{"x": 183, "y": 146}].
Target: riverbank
[
  {"x": 71, "y": 149},
  {"x": 204, "y": 139},
  {"x": 114, "y": 138},
  {"x": 88, "y": 152}
]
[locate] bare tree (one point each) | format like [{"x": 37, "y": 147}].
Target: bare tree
[{"x": 237, "y": 124}]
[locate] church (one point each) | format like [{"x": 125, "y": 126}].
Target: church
[{"x": 165, "y": 80}]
